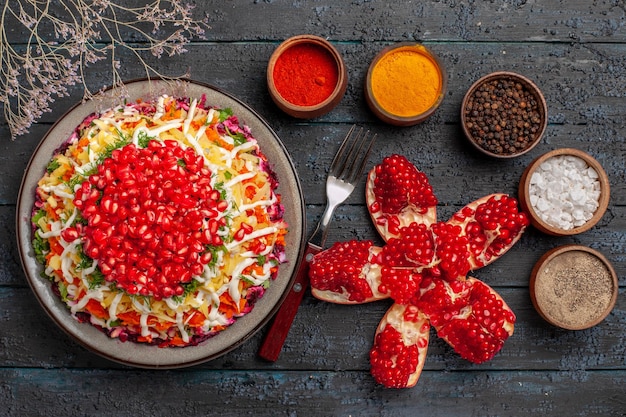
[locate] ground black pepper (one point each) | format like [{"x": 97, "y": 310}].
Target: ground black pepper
[
  {"x": 503, "y": 116},
  {"x": 574, "y": 289}
]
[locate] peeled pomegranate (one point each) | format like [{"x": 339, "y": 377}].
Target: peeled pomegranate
[
  {"x": 400, "y": 347},
  {"x": 398, "y": 194},
  {"x": 346, "y": 273},
  {"x": 423, "y": 267}
]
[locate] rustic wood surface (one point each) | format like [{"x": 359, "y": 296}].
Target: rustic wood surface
[{"x": 574, "y": 50}]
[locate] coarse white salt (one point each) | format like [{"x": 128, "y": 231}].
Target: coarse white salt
[{"x": 564, "y": 191}]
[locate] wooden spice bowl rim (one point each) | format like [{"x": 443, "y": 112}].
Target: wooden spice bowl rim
[
  {"x": 548, "y": 257},
  {"x": 394, "y": 119},
  {"x": 535, "y": 219},
  {"x": 530, "y": 85},
  {"x": 308, "y": 112}
]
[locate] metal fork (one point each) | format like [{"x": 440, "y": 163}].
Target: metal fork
[{"x": 345, "y": 172}]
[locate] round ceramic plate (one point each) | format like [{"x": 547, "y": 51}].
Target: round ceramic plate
[{"x": 142, "y": 355}]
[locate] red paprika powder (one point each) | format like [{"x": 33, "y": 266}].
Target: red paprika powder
[{"x": 305, "y": 74}]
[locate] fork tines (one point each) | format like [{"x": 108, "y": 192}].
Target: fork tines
[{"x": 352, "y": 155}]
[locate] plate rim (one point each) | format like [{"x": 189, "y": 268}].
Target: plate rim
[{"x": 51, "y": 303}]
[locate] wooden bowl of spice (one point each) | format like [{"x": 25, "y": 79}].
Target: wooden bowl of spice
[
  {"x": 565, "y": 192},
  {"x": 573, "y": 287},
  {"x": 405, "y": 84},
  {"x": 306, "y": 76},
  {"x": 504, "y": 115}
]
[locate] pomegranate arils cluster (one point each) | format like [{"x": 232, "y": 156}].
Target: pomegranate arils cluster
[
  {"x": 491, "y": 227},
  {"x": 480, "y": 328},
  {"x": 393, "y": 362},
  {"x": 399, "y": 183},
  {"x": 151, "y": 214},
  {"x": 423, "y": 267},
  {"x": 340, "y": 268}
]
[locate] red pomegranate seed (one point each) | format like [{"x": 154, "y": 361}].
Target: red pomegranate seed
[{"x": 150, "y": 218}]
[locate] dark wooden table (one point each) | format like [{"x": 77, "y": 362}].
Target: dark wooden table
[{"x": 574, "y": 50}]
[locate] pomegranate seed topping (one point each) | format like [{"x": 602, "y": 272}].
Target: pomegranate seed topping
[
  {"x": 70, "y": 234},
  {"x": 151, "y": 201}
]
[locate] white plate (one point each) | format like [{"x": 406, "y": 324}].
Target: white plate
[{"x": 137, "y": 354}]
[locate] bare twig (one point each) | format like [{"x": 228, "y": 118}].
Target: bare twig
[{"x": 61, "y": 44}]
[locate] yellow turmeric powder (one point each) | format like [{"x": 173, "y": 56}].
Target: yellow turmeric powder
[{"x": 406, "y": 81}]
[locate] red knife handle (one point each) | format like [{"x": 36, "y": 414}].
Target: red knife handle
[{"x": 277, "y": 333}]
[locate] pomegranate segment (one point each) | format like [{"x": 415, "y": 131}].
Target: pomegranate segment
[
  {"x": 492, "y": 224},
  {"x": 478, "y": 330},
  {"x": 403, "y": 259},
  {"x": 346, "y": 273},
  {"x": 452, "y": 253},
  {"x": 398, "y": 194},
  {"x": 400, "y": 346}
]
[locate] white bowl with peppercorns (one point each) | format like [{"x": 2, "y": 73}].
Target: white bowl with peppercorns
[{"x": 504, "y": 114}]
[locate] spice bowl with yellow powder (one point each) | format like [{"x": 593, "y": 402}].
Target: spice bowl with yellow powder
[
  {"x": 306, "y": 76},
  {"x": 573, "y": 287},
  {"x": 405, "y": 84}
]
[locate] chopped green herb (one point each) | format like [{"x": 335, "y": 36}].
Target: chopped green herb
[
  {"x": 239, "y": 139},
  {"x": 63, "y": 291},
  {"x": 53, "y": 165},
  {"x": 190, "y": 288},
  {"x": 38, "y": 216},
  {"x": 76, "y": 180},
  {"x": 96, "y": 279},
  {"x": 143, "y": 139},
  {"x": 85, "y": 261},
  {"x": 225, "y": 114},
  {"x": 41, "y": 248}
]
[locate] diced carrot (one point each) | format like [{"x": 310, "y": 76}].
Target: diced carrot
[
  {"x": 176, "y": 341},
  {"x": 261, "y": 214},
  {"x": 55, "y": 246},
  {"x": 68, "y": 173},
  {"x": 51, "y": 213},
  {"x": 196, "y": 124},
  {"x": 213, "y": 136},
  {"x": 172, "y": 114},
  {"x": 96, "y": 309},
  {"x": 250, "y": 192},
  {"x": 195, "y": 319},
  {"x": 159, "y": 325},
  {"x": 130, "y": 318},
  {"x": 281, "y": 236},
  {"x": 228, "y": 306},
  {"x": 254, "y": 268}
]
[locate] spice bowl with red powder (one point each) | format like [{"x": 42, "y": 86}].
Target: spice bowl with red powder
[
  {"x": 504, "y": 114},
  {"x": 306, "y": 76},
  {"x": 573, "y": 287}
]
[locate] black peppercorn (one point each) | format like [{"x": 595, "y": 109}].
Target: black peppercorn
[{"x": 503, "y": 116}]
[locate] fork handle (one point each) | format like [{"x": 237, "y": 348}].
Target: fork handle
[{"x": 277, "y": 333}]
